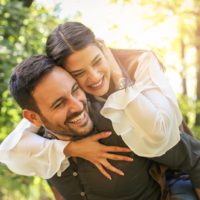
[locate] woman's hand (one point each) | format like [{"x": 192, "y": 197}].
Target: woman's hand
[
  {"x": 116, "y": 72},
  {"x": 90, "y": 149}
]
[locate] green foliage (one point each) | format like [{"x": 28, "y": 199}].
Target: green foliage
[
  {"x": 12, "y": 183},
  {"x": 187, "y": 106},
  {"x": 196, "y": 131},
  {"x": 10, "y": 114},
  {"x": 21, "y": 187},
  {"x": 23, "y": 33}
]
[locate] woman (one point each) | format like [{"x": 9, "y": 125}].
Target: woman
[
  {"x": 146, "y": 113},
  {"x": 138, "y": 99}
]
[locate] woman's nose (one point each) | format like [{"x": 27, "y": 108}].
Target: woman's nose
[{"x": 94, "y": 75}]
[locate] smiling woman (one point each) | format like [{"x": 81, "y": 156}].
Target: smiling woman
[
  {"x": 99, "y": 73},
  {"x": 90, "y": 68}
]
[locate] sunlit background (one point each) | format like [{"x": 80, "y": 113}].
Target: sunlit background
[
  {"x": 170, "y": 28},
  {"x": 130, "y": 24}
]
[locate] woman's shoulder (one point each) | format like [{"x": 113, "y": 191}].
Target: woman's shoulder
[{"x": 131, "y": 58}]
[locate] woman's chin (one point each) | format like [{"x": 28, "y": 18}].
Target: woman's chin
[{"x": 98, "y": 92}]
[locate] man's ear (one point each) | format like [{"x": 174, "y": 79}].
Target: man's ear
[{"x": 33, "y": 117}]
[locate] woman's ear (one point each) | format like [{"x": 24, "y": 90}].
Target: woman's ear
[{"x": 33, "y": 117}]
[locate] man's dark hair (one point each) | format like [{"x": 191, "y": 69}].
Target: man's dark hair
[
  {"x": 25, "y": 78},
  {"x": 66, "y": 39}
]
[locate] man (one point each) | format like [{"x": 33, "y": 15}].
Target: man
[{"x": 51, "y": 99}]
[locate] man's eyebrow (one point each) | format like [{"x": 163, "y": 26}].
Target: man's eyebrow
[
  {"x": 55, "y": 102},
  {"x": 74, "y": 87}
]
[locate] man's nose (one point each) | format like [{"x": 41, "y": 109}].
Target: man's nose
[{"x": 75, "y": 105}]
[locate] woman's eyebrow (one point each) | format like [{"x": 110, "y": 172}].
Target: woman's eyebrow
[
  {"x": 76, "y": 71},
  {"x": 95, "y": 59},
  {"x": 82, "y": 69}
]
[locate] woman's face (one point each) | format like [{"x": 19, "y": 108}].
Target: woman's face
[{"x": 91, "y": 70}]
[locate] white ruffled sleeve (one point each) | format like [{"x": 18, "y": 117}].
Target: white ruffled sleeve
[
  {"x": 146, "y": 115},
  {"x": 26, "y": 153}
]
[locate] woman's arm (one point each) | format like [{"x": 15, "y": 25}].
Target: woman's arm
[
  {"x": 90, "y": 149},
  {"x": 26, "y": 153},
  {"x": 147, "y": 111}
]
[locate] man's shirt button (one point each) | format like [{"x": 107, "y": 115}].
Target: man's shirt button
[
  {"x": 75, "y": 174},
  {"x": 82, "y": 194}
]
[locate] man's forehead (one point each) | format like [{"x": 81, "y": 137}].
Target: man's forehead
[
  {"x": 59, "y": 74},
  {"x": 61, "y": 70},
  {"x": 52, "y": 83}
]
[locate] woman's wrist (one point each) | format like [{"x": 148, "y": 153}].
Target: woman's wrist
[
  {"x": 119, "y": 80},
  {"x": 121, "y": 83},
  {"x": 69, "y": 149}
]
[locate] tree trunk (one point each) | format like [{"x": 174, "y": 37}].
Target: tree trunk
[
  {"x": 27, "y": 3},
  {"x": 183, "y": 74},
  {"x": 197, "y": 46}
]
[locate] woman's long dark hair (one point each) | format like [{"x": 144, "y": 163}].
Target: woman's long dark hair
[{"x": 66, "y": 39}]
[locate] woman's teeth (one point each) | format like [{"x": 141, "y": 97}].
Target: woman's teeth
[{"x": 97, "y": 84}]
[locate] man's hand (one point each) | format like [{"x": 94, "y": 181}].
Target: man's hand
[{"x": 90, "y": 149}]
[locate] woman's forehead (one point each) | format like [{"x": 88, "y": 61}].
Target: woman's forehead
[{"x": 83, "y": 57}]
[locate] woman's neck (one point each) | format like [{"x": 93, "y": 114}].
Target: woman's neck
[{"x": 110, "y": 90}]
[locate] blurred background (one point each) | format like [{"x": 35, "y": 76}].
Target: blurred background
[{"x": 170, "y": 28}]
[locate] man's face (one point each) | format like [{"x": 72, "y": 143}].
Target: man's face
[{"x": 62, "y": 104}]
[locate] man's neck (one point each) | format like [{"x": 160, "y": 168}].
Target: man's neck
[
  {"x": 52, "y": 135},
  {"x": 44, "y": 132}
]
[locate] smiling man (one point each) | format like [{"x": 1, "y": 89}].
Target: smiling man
[
  {"x": 56, "y": 110},
  {"x": 35, "y": 83}
]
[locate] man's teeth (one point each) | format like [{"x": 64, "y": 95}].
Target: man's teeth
[
  {"x": 97, "y": 84},
  {"x": 78, "y": 118}
]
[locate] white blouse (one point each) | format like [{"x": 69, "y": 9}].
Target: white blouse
[
  {"x": 26, "y": 153},
  {"x": 146, "y": 115}
]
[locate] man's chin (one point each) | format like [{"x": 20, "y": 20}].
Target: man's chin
[{"x": 82, "y": 134}]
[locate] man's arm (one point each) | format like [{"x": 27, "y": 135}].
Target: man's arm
[{"x": 57, "y": 195}]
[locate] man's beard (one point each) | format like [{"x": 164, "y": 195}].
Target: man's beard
[
  {"x": 70, "y": 131},
  {"x": 68, "y": 137}
]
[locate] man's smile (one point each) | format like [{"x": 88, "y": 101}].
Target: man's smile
[{"x": 79, "y": 120}]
